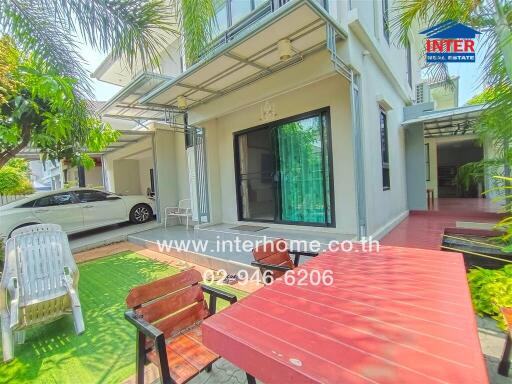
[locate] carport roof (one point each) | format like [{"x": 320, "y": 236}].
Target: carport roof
[
  {"x": 127, "y": 137},
  {"x": 448, "y": 122},
  {"x": 126, "y": 103},
  {"x": 248, "y": 53}
]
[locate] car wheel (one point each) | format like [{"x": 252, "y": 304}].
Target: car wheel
[{"x": 141, "y": 213}]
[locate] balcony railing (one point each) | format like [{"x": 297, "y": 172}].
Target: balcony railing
[
  {"x": 258, "y": 13},
  {"x": 233, "y": 31}
]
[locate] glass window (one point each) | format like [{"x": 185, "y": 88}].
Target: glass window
[
  {"x": 29, "y": 204},
  {"x": 284, "y": 172},
  {"x": 386, "y": 181},
  {"x": 91, "y": 196},
  {"x": 409, "y": 62},
  {"x": 240, "y": 9},
  {"x": 58, "y": 199},
  {"x": 385, "y": 19},
  {"x": 221, "y": 16}
]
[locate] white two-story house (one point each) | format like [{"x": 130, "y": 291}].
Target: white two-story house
[{"x": 294, "y": 119}]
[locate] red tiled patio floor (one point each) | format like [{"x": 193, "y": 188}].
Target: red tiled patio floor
[{"x": 424, "y": 229}]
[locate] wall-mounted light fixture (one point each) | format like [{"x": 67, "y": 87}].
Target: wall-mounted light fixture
[
  {"x": 285, "y": 49},
  {"x": 182, "y": 102}
]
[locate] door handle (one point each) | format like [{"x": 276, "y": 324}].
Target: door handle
[
  {"x": 41, "y": 210},
  {"x": 88, "y": 206}
]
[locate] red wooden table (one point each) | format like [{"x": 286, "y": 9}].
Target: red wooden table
[{"x": 400, "y": 315}]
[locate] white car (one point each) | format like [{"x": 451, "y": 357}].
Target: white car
[{"x": 75, "y": 210}]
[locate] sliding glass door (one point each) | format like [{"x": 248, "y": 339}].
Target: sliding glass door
[{"x": 283, "y": 171}]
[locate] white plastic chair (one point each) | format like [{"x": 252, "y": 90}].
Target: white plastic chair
[
  {"x": 39, "y": 283},
  {"x": 36, "y": 228},
  {"x": 183, "y": 210}
]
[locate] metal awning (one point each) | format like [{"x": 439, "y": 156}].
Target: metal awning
[
  {"x": 448, "y": 122},
  {"x": 126, "y": 103},
  {"x": 251, "y": 56},
  {"x": 248, "y": 53}
]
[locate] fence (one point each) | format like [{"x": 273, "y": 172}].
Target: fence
[{"x": 5, "y": 199}]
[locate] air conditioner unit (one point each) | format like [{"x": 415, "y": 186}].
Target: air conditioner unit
[{"x": 422, "y": 93}]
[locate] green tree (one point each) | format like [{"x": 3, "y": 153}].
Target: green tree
[
  {"x": 492, "y": 18},
  {"x": 135, "y": 31},
  {"x": 14, "y": 178},
  {"x": 41, "y": 110}
]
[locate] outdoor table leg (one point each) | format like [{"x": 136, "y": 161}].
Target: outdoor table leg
[{"x": 504, "y": 366}]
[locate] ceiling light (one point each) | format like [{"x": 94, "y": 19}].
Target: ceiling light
[
  {"x": 285, "y": 49},
  {"x": 182, "y": 102}
]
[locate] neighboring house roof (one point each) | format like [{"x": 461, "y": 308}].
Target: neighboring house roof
[{"x": 450, "y": 29}]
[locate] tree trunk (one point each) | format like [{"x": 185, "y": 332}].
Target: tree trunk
[{"x": 8, "y": 154}]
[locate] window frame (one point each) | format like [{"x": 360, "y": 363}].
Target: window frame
[
  {"x": 408, "y": 55},
  {"x": 325, "y": 115},
  {"x": 427, "y": 161},
  {"x": 74, "y": 200},
  {"x": 385, "y": 20},
  {"x": 384, "y": 149},
  {"x": 77, "y": 194},
  {"x": 28, "y": 204}
]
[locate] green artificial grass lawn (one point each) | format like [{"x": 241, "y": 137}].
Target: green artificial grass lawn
[{"x": 105, "y": 353}]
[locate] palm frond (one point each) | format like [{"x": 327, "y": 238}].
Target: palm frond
[
  {"x": 427, "y": 13},
  {"x": 32, "y": 28},
  {"x": 136, "y": 31},
  {"x": 198, "y": 25}
]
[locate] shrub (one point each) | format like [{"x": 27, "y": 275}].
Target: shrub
[{"x": 491, "y": 290}]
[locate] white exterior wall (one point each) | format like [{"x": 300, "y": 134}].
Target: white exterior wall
[
  {"x": 333, "y": 93},
  {"x": 145, "y": 164},
  {"x": 110, "y": 173},
  {"x": 310, "y": 85},
  {"x": 171, "y": 167},
  {"x": 383, "y": 70},
  {"x": 383, "y": 206}
]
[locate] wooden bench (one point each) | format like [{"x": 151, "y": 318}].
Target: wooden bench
[
  {"x": 275, "y": 256},
  {"x": 504, "y": 366},
  {"x": 167, "y": 314}
]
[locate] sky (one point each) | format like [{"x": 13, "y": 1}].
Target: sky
[
  {"x": 470, "y": 74},
  {"x": 103, "y": 91},
  {"x": 469, "y": 82}
]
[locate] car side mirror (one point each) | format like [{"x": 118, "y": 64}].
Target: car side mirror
[{"x": 112, "y": 197}]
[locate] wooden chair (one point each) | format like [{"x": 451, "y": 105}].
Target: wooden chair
[
  {"x": 504, "y": 366},
  {"x": 167, "y": 314},
  {"x": 275, "y": 256}
]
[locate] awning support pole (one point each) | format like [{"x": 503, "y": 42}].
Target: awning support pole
[{"x": 355, "y": 96}]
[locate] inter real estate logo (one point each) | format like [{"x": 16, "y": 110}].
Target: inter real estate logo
[{"x": 450, "y": 42}]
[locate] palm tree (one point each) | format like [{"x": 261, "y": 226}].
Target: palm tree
[
  {"x": 136, "y": 31},
  {"x": 493, "y": 18}
]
